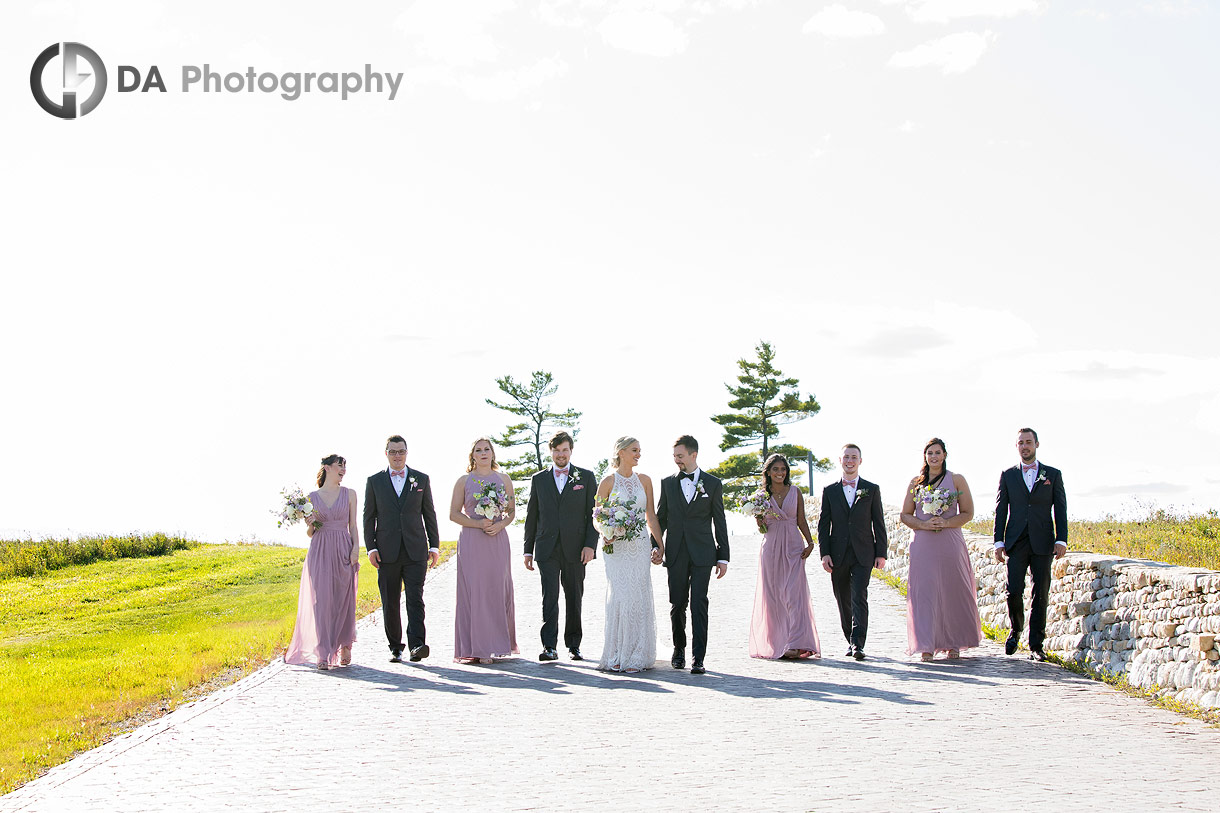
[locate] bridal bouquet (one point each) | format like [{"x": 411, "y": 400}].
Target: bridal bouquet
[
  {"x": 934, "y": 501},
  {"x": 491, "y": 500},
  {"x": 295, "y": 509},
  {"x": 618, "y": 519},
  {"x": 758, "y": 506}
]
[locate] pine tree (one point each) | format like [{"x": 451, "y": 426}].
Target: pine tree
[{"x": 531, "y": 401}]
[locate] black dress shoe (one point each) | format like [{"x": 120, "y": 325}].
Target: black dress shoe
[
  {"x": 1037, "y": 655},
  {"x": 858, "y": 654},
  {"x": 696, "y": 668},
  {"x": 548, "y": 655},
  {"x": 678, "y": 661},
  {"x": 574, "y": 651},
  {"x": 395, "y": 657},
  {"x": 1010, "y": 646},
  {"x": 419, "y": 653},
  {"x": 851, "y": 651}
]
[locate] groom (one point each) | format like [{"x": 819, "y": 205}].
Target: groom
[
  {"x": 1028, "y": 538},
  {"x": 851, "y": 535},
  {"x": 691, "y": 515},
  {"x": 561, "y": 538},
  {"x": 402, "y": 540}
]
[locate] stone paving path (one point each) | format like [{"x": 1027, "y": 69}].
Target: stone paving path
[{"x": 985, "y": 733}]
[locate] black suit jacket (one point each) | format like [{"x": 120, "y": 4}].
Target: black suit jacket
[
  {"x": 397, "y": 526},
  {"x": 860, "y": 526},
  {"x": 699, "y": 524},
  {"x": 565, "y": 519},
  {"x": 1017, "y": 509}
]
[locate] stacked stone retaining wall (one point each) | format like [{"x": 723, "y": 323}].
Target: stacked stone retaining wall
[{"x": 1156, "y": 624}]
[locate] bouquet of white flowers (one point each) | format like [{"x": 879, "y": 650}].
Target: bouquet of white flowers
[
  {"x": 934, "y": 501},
  {"x": 491, "y": 500},
  {"x": 295, "y": 509},
  {"x": 618, "y": 519},
  {"x": 758, "y": 506}
]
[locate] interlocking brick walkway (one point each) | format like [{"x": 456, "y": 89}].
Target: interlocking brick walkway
[{"x": 985, "y": 733}]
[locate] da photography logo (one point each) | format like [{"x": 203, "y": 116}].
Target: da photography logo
[{"x": 80, "y": 64}]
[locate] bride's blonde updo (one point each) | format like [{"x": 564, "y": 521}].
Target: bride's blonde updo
[{"x": 619, "y": 445}]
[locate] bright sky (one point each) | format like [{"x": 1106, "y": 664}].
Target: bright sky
[{"x": 950, "y": 217}]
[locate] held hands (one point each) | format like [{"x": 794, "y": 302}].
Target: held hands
[
  {"x": 374, "y": 558},
  {"x": 658, "y": 554},
  {"x": 827, "y": 565}
]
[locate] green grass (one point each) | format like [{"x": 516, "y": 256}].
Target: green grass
[
  {"x": 1190, "y": 540},
  {"x": 29, "y": 557},
  {"x": 85, "y": 647}
]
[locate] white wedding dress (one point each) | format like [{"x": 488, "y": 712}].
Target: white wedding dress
[{"x": 631, "y": 624}]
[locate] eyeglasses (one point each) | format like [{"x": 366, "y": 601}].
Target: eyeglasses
[{"x": 396, "y": 453}]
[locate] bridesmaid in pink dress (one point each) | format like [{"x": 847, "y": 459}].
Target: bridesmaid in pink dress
[
  {"x": 326, "y": 607},
  {"x": 485, "y": 626},
  {"x": 942, "y": 596},
  {"x": 782, "y": 625}
]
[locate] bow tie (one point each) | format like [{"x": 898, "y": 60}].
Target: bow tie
[
  {"x": 688, "y": 475},
  {"x": 402, "y": 473},
  {"x": 558, "y": 472},
  {"x": 1030, "y": 467},
  {"x": 851, "y": 483}
]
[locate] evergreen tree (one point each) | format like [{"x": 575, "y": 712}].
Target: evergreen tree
[
  {"x": 530, "y": 401},
  {"x": 765, "y": 400}
]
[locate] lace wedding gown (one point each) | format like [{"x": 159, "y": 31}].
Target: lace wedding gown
[{"x": 631, "y": 624}]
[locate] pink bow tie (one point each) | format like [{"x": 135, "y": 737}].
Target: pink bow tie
[
  {"x": 851, "y": 483},
  {"x": 402, "y": 473},
  {"x": 558, "y": 472},
  {"x": 1031, "y": 467}
]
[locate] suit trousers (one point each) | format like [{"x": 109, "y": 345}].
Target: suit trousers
[
  {"x": 688, "y": 585},
  {"x": 394, "y": 579},
  {"x": 849, "y": 580},
  {"x": 1021, "y": 557},
  {"x": 558, "y": 570}
]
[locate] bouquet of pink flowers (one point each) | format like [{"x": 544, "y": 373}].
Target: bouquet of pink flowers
[
  {"x": 934, "y": 501},
  {"x": 491, "y": 500},
  {"x": 758, "y": 506},
  {"x": 618, "y": 519},
  {"x": 295, "y": 509}
]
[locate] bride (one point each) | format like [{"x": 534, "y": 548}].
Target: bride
[{"x": 631, "y": 625}]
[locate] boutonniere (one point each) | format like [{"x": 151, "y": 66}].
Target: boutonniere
[
  {"x": 411, "y": 480},
  {"x": 861, "y": 492},
  {"x": 699, "y": 490},
  {"x": 575, "y": 475},
  {"x": 1042, "y": 478}
]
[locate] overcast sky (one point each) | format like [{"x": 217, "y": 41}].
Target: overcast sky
[{"x": 950, "y": 217}]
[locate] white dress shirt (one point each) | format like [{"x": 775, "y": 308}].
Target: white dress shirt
[
  {"x": 399, "y": 484},
  {"x": 1030, "y": 475},
  {"x": 561, "y": 480},
  {"x": 849, "y": 491},
  {"x": 689, "y": 490}
]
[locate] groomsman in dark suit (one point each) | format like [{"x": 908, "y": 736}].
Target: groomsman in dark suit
[
  {"x": 402, "y": 540},
  {"x": 1031, "y": 532},
  {"x": 561, "y": 538},
  {"x": 691, "y": 515},
  {"x": 852, "y": 539}
]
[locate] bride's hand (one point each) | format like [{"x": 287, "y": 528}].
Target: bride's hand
[{"x": 658, "y": 554}]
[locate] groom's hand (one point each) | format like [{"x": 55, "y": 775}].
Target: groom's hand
[
  {"x": 826, "y": 565},
  {"x": 721, "y": 569},
  {"x": 586, "y": 555},
  {"x": 374, "y": 558},
  {"x": 529, "y": 561}
]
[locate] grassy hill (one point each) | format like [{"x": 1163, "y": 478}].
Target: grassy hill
[{"x": 85, "y": 647}]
